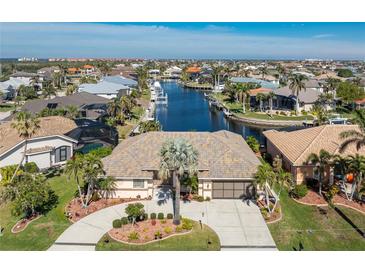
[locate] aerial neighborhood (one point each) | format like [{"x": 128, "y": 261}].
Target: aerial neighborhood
[{"x": 170, "y": 143}]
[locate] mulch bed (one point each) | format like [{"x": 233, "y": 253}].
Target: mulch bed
[
  {"x": 23, "y": 223},
  {"x": 275, "y": 216},
  {"x": 146, "y": 231},
  {"x": 313, "y": 198},
  {"x": 75, "y": 211}
]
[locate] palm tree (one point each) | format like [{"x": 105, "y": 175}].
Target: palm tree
[
  {"x": 261, "y": 97},
  {"x": 178, "y": 157},
  {"x": 264, "y": 72},
  {"x": 242, "y": 91},
  {"x": 71, "y": 89},
  {"x": 93, "y": 169},
  {"x": 320, "y": 113},
  {"x": 271, "y": 95},
  {"x": 354, "y": 136},
  {"x": 296, "y": 84},
  {"x": 127, "y": 103},
  {"x": 74, "y": 168},
  {"x": 106, "y": 186},
  {"x": 48, "y": 91},
  {"x": 72, "y": 112},
  {"x": 216, "y": 72},
  {"x": 142, "y": 76},
  {"x": 321, "y": 161},
  {"x": 356, "y": 165},
  {"x": 148, "y": 126},
  {"x": 282, "y": 179},
  {"x": 26, "y": 125},
  {"x": 264, "y": 178},
  {"x": 57, "y": 79},
  {"x": 114, "y": 107}
]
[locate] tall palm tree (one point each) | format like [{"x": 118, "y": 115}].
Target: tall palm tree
[
  {"x": 178, "y": 157},
  {"x": 321, "y": 161},
  {"x": 26, "y": 125},
  {"x": 216, "y": 72},
  {"x": 354, "y": 136},
  {"x": 264, "y": 178},
  {"x": 106, "y": 186},
  {"x": 74, "y": 168},
  {"x": 114, "y": 107},
  {"x": 242, "y": 91},
  {"x": 264, "y": 72},
  {"x": 282, "y": 179},
  {"x": 320, "y": 113},
  {"x": 261, "y": 97},
  {"x": 296, "y": 84},
  {"x": 142, "y": 76},
  {"x": 126, "y": 104},
  {"x": 356, "y": 165},
  {"x": 271, "y": 95},
  {"x": 93, "y": 169}
]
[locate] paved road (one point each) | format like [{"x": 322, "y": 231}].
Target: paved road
[{"x": 239, "y": 225}]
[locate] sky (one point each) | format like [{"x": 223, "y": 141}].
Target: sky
[{"x": 184, "y": 40}]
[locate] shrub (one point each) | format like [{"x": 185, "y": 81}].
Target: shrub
[
  {"x": 163, "y": 221},
  {"x": 200, "y": 199},
  {"x": 153, "y": 216},
  {"x": 135, "y": 211},
  {"x": 332, "y": 192},
  {"x": 168, "y": 230},
  {"x": 253, "y": 143},
  {"x": 145, "y": 216},
  {"x": 187, "y": 224},
  {"x": 178, "y": 229},
  {"x": 207, "y": 198},
  {"x": 124, "y": 220},
  {"x": 31, "y": 167},
  {"x": 101, "y": 152},
  {"x": 170, "y": 216},
  {"x": 153, "y": 222},
  {"x": 133, "y": 236},
  {"x": 158, "y": 234},
  {"x": 117, "y": 223},
  {"x": 160, "y": 216},
  {"x": 300, "y": 191}
]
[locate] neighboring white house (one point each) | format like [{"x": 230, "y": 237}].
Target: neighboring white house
[
  {"x": 106, "y": 89},
  {"x": 50, "y": 146},
  {"x": 9, "y": 87}
]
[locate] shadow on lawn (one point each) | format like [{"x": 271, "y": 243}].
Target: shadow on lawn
[{"x": 358, "y": 230}]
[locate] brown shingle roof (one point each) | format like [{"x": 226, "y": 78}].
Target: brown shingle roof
[
  {"x": 53, "y": 125},
  {"x": 222, "y": 154},
  {"x": 297, "y": 145}
]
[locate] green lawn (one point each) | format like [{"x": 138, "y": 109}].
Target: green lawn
[
  {"x": 197, "y": 240},
  {"x": 236, "y": 108},
  {"x": 40, "y": 234},
  {"x": 6, "y": 107},
  {"x": 304, "y": 224}
]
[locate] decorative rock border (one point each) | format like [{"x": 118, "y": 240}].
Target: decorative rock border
[
  {"x": 26, "y": 225},
  {"x": 277, "y": 220},
  {"x": 152, "y": 241}
]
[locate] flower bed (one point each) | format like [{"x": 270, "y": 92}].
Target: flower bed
[
  {"x": 340, "y": 200},
  {"x": 312, "y": 198},
  {"x": 147, "y": 231},
  {"x": 23, "y": 223},
  {"x": 75, "y": 211},
  {"x": 274, "y": 216}
]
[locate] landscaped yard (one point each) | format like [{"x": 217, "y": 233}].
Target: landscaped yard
[
  {"x": 306, "y": 225},
  {"x": 40, "y": 234},
  {"x": 197, "y": 240}
]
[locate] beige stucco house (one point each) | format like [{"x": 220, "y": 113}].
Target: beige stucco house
[
  {"x": 226, "y": 164},
  {"x": 294, "y": 147}
]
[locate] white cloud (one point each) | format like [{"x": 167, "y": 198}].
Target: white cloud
[{"x": 325, "y": 35}]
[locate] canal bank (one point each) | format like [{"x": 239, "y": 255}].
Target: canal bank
[{"x": 188, "y": 110}]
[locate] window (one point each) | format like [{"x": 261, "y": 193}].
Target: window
[
  {"x": 63, "y": 154},
  {"x": 138, "y": 183}
]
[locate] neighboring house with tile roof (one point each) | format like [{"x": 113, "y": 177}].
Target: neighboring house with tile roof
[
  {"x": 294, "y": 147},
  {"x": 49, "y": 146},
  {"x": 226, "y": 164}
]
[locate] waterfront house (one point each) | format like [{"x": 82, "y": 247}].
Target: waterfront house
[
  {"x": 121, "y": 81},
  {"x": 49, "y": 146},
  {"x": 261, "y": 83},
  {"x": 294, "y": 147},
  {"x": 226, "y": 165},
  {"x": 106, "y": 89}
]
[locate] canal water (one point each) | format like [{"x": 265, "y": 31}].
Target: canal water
[{"x": 188, "y": 110}]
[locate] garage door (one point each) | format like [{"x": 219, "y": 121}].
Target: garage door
[{"x": 232, "y": 190}]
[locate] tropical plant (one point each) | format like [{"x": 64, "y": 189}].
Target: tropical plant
[
  {"x": 106, "y": 186},
  {"x": 48, "y": 91},
  {"x": 178, "y": 157},
  {"x": 264, "y": 72},
  {"x": 265, "y": 178},
  {"x": 322, "y": 161},
  {"x": 135, "y": 211},
  {"x": 142, "y": 76},
  {"x": 253, "y": 143},
  {"x": 147, "y": 126},
  {"x": 92, "y": 170},
  {"x": 72, "y": 112},
  {"x": 270, "y": 96},
  {"x": 261, "y": 97},
  {"x": 71, "y": 89},
  {"x": 320, "y": 113},
  {"x": 296, "y": 84},
  {"x": 26, "y": 125},
  {"x": 356, "y": 165},
  {"x": 74, "y": 168},
  {"x": 354, "y": 137},
  {"x": 349, "y": 92}
]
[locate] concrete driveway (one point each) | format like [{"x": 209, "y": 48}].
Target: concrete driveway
[{"x": 239, "y": 225}]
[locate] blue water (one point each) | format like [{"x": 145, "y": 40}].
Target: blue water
[{"x": 188, "y": 110}]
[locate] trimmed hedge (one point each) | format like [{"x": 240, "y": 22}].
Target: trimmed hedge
[
  {"x": 145, "y": 216},
  {"x": 160, "y": 216},
  {"x": 153, "y": 216},
  {"x": 170, "y": 216},
  {"x": 117, "y": 223},
  {"x": 300, "y": 191},
  {"x": 124, "y": 220}
]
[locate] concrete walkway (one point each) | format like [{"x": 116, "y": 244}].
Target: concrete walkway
[{"x": 239, "y": 225}]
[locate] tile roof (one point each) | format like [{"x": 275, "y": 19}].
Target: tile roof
[
  {"x": 254, "y": 92},
  {"x": 53, "y": 125},
  {"x": 297, "y": 145},
  {"x": 222, "y": 154}
]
